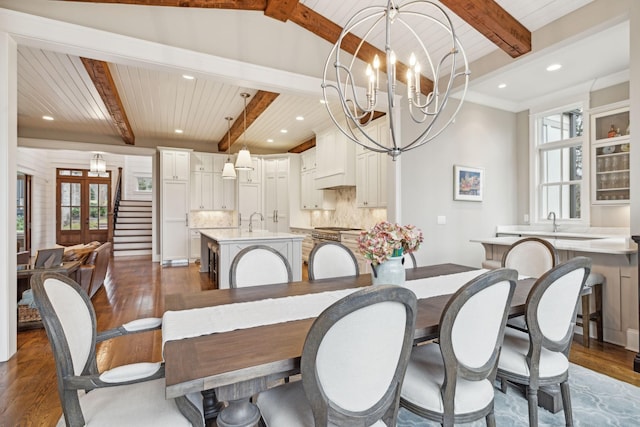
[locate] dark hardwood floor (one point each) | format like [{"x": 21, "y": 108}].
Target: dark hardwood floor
[{"x": 136, "y": 288}]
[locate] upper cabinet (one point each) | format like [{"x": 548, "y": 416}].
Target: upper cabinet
[
  {"x": 224, "y": 190},
  {"x": 610, "y": 145},
  {"x": 371, "y": 169},
  {"x": 335, "y": 160},
  {"x": 310, "y": 197},
  {"x": 251, "y": 176},
  {"x": 175, "y": 165},
  {"x": 202, "y": 162}
]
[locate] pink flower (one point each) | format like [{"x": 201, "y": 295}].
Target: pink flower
[{"x": 386, "y": 239}]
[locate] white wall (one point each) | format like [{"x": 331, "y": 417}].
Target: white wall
[
  {"x": 481, "y": 137},
  {"x": 134, "y": 167}
]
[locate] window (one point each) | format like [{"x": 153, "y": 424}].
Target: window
[
  {"x": 144, "y": 184},
  {"x": 559, "y": 147}
]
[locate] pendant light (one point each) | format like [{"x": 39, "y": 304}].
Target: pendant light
[
  {"x": 228, "y": 171},
  {"x": 243, "y": 162},
  {"x": 97, "y": 164}
]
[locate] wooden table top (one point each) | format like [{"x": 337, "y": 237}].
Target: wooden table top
[{"x": 220, "y": 359}]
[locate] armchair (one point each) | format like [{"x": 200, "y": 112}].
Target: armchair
[{"x": 126, "y": 395}]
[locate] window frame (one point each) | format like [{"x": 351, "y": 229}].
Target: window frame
[{"x": 536, "y": 152}]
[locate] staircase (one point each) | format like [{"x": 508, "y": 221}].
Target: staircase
[{"x": 132, "y": 233}]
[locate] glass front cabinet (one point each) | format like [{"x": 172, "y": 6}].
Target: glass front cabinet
[{"x": 610, "y": 132}]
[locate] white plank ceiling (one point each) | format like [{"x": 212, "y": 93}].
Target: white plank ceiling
[{"x": 158, "y": 102}]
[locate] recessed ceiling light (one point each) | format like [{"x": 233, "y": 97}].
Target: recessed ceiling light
[
  {"x": 283, "y": 131},
  {"x": 322, "y": 101},
  {"x": 554, "y": 67},
  {"x": 299, "y": 118},
  {"x": 270, "y": 140},
  {"x": 187, "y": 77},
  {"x": 502, "y": 85},
  {"x": 179, "y": 131},
  {"x": 47, "y": 118}
]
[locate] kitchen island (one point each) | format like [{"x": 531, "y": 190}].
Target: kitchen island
[
  {"x": 218, "y": 247},
  {"x": 615, "y": 257}
]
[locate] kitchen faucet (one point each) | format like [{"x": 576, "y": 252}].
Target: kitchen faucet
[
  {"x": 552, "y": 215},
  {"x": 251, "y": 220}
]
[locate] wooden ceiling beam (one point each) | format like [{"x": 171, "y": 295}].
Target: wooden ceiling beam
[
  {"x": 330, "y": 31},
  {"x": 304, "y": 146},
  {"x": 103, "y": 81},
  {"x": 214, "y": 4},
  {"x": 495, "y": 23},
  {"x": 280, "y": 9},
  {"x": 256, "y": 106}
]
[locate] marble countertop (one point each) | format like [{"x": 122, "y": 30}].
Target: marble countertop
[
  {"x": 609, "y": 245},
  {"x": 564, "y": 231},
  {"x": 236, "y": 234}
]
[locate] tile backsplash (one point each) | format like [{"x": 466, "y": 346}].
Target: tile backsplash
[{"x": 347, "y": 214}]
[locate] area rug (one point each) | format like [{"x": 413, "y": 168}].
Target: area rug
[{"x": 597, "y": 401}]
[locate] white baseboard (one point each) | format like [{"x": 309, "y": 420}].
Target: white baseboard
[{"x": 633, "y": 341}]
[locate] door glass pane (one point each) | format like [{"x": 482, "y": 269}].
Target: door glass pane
[
  {"x": 75, "y": 218},
  {"x": 76, "y": 196},
  {"x": 93, "y": 218},
  {"x": 65, "y": 218},
  {"x": 65, "y": 194},
  {"x": 103, "y": 201}
]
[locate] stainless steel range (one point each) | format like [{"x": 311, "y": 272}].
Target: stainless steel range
[{"x": 329, "y": 234}]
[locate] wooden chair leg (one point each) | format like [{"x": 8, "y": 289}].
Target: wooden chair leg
[
  {"x": 586, "y": 319},
  {"x": 566, "y": 403},
  {"x": 491, "y": 419},
  {"x": 532, "y": 398},
  {"x": 597, "y": 291}
]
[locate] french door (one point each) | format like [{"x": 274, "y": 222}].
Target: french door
[{"x": 83, "y": 204}]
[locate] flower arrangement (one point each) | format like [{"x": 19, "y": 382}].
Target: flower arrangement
[{"x": 386, "y": 239}]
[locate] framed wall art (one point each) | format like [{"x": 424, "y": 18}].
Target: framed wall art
[{"x": 468, "y": 183}]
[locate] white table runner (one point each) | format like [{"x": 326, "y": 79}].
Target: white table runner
[{"x": 195, "y": 322}]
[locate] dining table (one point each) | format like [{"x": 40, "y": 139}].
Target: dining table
[{"x": 234, "y": 361}]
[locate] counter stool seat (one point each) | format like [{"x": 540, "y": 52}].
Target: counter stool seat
[{"x": 593, "y": 286}]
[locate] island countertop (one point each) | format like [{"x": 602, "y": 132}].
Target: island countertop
[
  {"x": 224, "y": 235},
  {"x": 611, "y": 245}
]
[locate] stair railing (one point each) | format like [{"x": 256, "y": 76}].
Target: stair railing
[{"x": 116, "y": 205}]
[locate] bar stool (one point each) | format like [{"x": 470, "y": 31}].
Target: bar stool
[{"x": 593, "y": 286}]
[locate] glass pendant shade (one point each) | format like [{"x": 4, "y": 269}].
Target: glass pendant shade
[
  {"x": 97, "y": 164},
  {"x": 228, "y": 171},
  {"x": 243, "y": 161}
]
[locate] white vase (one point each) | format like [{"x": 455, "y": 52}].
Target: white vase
[{"x": 390, "y": 272}]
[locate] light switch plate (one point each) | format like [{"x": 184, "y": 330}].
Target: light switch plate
[{"x": 442, "y": 220}]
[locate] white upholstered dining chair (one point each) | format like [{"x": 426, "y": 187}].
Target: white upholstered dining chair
[
  {"x": 353, "y": 364},
  {"x": 452, "y": 381},
  {"x": 538, "y": 356},
  {"x": 531, "y": 257},
  {"x": 332, "y": 259},
  {"x": 128, "y": 395},
  {"x": 259, "y": 265}
]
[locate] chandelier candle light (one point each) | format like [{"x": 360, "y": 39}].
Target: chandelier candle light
[
  {"x": 384, "y": 246},
  {"x": 243, "y": 162},
  {"x": 228, "y": 171},
  {"x": 428, "y": 110}
]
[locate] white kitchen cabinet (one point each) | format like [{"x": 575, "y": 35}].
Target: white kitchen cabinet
[
  {"x": 610, "y": 157},
  {"x": 308, "y": 159},
  {"x": 194, "y": 247},
  {"x": 175, "y": 165},
  {"x": 310, "y": 197},
  {"x": 175, "y": 221},
  {"x": 251, "y": 176},
  {"x": 335, "y": 160},
  {"x": 249, "y": 201},
  {"x": 224, "y": 190},
  {"x": 174, "y": 205},
  {"x": 201, "y": 191},
  {"x": 201, "y": 162},
  {"x": 371, "y": 170},
  {"x": 276, "y": 194}
]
